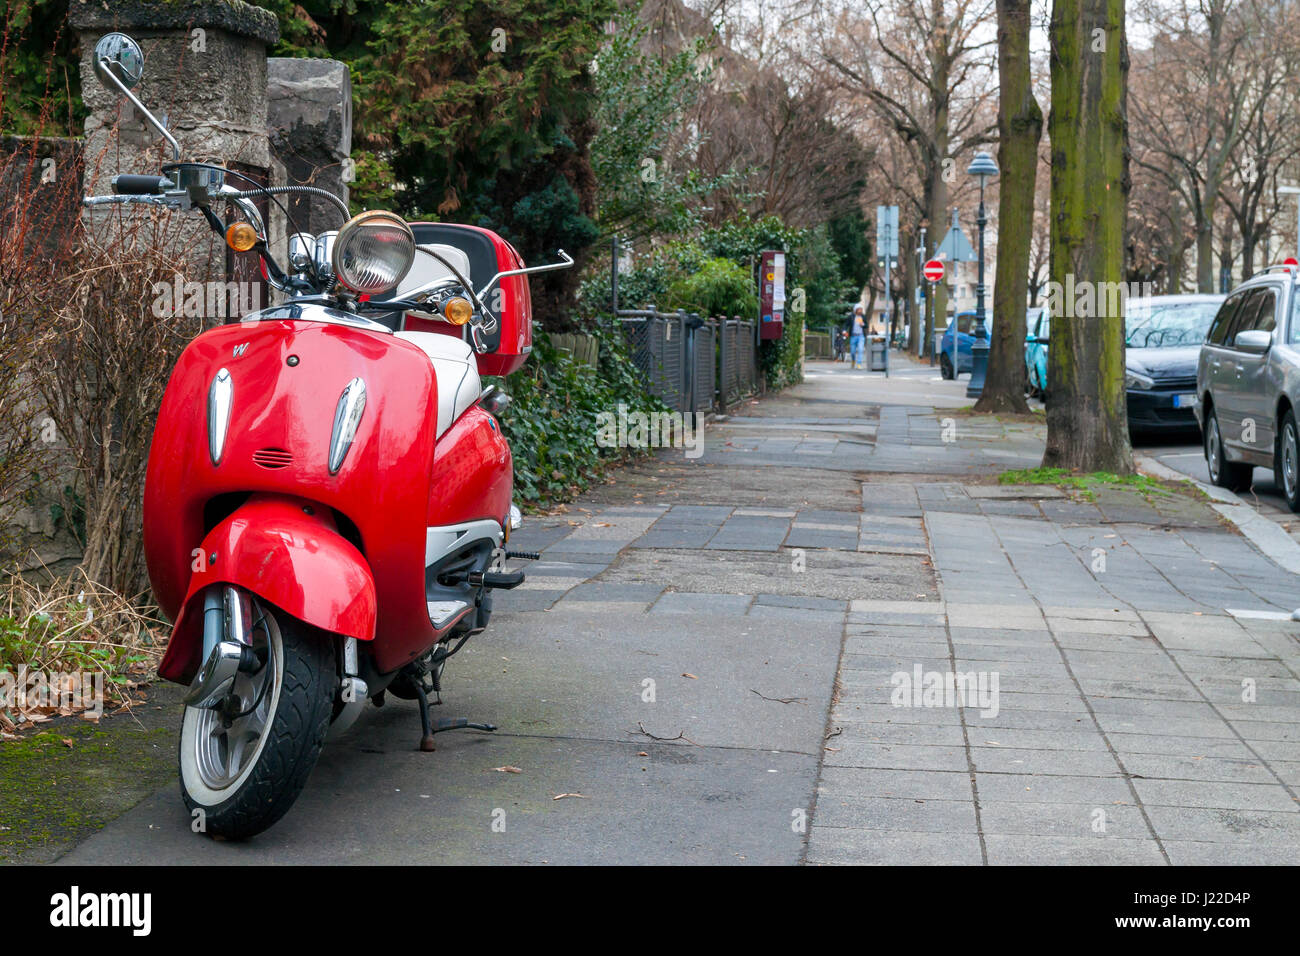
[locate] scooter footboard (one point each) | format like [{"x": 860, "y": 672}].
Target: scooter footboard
[{"x": 289, "y": 553}]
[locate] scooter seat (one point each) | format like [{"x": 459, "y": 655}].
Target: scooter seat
[{"x": 455, "y": 371}]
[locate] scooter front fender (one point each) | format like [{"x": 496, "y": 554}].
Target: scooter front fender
[{"x": 289, "y": 553}]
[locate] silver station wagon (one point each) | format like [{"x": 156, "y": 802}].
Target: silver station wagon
[{"x": 1248, "y": 384}]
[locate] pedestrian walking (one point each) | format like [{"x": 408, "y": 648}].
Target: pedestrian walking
[{"x": 858, "y": 340}]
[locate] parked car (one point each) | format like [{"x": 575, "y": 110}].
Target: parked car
[
  {"x": 1037, "y": 325},
  {"x": 965, "y": 332},
  {"x": 1248, "y": 383},
  {"x": 1163, "y": 336}
]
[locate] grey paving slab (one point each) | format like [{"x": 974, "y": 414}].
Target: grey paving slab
[
  {"x": 1190, "y": 853},
  {"x": 894, "y": 756},
  {"x": 1076, "y": 820},
  {"x": 1223, "y": 825},
  {"x": 686, "y": 602},
  {"x": 1030, "y": 788},
  {"x": 1230, "y": 796},
  {"x": 1096, "y": 763},
  {"x": 859, "y": 847},
  {"x": 1022, "y": 850}
]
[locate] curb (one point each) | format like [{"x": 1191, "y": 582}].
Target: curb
[{"x": 1276, "y": 545}]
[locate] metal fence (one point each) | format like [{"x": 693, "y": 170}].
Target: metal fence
[{"x": 693, "y": 364}]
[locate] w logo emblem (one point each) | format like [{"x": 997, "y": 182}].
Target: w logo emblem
[{"x": 240, "y": 349}]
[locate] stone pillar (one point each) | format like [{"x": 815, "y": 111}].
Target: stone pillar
[
  {"x": 204, "y": 75},
  {"x": 309, "y": 120}
]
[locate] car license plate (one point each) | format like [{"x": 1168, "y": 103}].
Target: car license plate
[{"x": 1184, "y": 401}]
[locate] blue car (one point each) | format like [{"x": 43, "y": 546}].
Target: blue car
[
  {"x": 1037, "y": 326},
  {"x": 965, "y": 332}
]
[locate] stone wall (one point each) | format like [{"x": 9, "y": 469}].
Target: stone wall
[
  {"x": 204, "y": 75},
  {"x": 310, "y": 124}
]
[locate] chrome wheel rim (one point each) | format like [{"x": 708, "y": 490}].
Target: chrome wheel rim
[
  {"x": 1290, "y": 460},
  {"x": 226, "y": 747},
  {"x": 1212, "y": 451}
]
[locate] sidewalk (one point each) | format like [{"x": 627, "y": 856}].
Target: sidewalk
[
  {"x": 1122, "y": 735},
  {"x": 705, "y": 666}
]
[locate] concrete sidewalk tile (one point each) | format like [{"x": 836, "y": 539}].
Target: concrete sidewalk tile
[
  {"x": 1177, "y": 746},
  {"x": 617, "y": 591},
  {"x": 1079, "y": 736},
  {"x": 844, "y": 783},
  {"x": 883, "y": 813},
  {"x": 773, "y": 612},
  {"x": 1073, "y": 763},
  {"x": 1275, "y": 750},
  {"x": 876, "y": 709},
  {"x": 995, "y": 616},
  {"x": 891, "y": 756},
  {"x": 1078, "y": 820},
  {"x": 1260, "y": 827},
  {"x": 1230, "y": 796},
  {"x": 690, "y": 602},
  {"x": 853, "y": 847},
  {"x": 1259, "y": 731},
  {"x": 1104, "y": 613},
  {"x": 1072, "y": 625},
  {"x": 800, "y": 601},
  {"x": 1028, "y": 788},
  {"x": 1206, "y": 769},
  {"x": 1188, "y": 853},
  {"x": 1142, "y": 724},
  {"x": 1021, "y": 850},
  {"x": 869, "y": 606},
  {"x": 931, "y": 735}
]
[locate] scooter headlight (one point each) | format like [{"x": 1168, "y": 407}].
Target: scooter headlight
[{"x": 373, "y": 252}]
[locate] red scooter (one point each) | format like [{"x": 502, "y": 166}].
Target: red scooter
[{"x": 328, "y": 494}]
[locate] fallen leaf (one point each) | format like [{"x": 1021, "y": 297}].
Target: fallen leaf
[
  {"x": 561, "y": 796},
  {"x": 642, "y": 753},
  {"x": 691, "y": 676},
  {"x": 507, "y": 769},
  {"x": 67, "y": 742}
]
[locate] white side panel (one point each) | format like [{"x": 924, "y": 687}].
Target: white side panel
[
  {"x": 443, "y": 540},
  {"x": 455, "y": 369}
]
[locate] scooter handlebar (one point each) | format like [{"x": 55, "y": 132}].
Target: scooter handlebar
[{"x": 133, "y": 184}]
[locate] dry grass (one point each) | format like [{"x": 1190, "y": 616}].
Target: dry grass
[{"x": 73, "y": 632}]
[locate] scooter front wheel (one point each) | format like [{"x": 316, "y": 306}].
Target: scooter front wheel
[{"x": 243, "y": 764}]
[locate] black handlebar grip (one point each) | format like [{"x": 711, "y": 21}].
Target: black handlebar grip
[{"x": 130, "y": 184}]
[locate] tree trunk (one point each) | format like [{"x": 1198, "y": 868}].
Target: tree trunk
[
  {"x": 1087, "y": 427},
  {"x": 1205, "y": 247},
  {"x": 1020, "y": 125}
]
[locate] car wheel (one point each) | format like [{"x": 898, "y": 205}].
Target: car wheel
[
  {"x": 1232, "y": 475},
  {"x": 945, "y": 366},
  {"x": 1286, "y": 461}
]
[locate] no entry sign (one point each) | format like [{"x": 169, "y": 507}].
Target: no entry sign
[{"x": 933, "y": 270}]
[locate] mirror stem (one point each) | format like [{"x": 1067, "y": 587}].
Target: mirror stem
[{"x": 106, "y": 70}]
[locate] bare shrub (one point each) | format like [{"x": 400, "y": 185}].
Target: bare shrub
[{"x": 109, "y": 350}]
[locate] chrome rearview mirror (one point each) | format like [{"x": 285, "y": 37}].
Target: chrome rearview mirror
[
  {"x": 118, "y": 54},
  {"x": 1254, "y": 341},
  {"x": 119, "y": 64}
]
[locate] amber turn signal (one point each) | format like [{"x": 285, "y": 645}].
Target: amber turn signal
[
  {"x": 457, "y": 311},
  {"x": 241, "y": 236}
]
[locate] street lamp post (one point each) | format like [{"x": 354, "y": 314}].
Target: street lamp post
[{"x": 983, "y": 166}]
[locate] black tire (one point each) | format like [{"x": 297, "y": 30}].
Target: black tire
[
  {"x": 945, "y": 366},
  {"x": 1286, "y": 461},
  {"x": 289, "y": 745},
  {"x": 1235, "y": 476}
]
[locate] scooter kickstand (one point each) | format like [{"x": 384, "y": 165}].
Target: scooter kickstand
[{"x": 426, "y": 738}]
